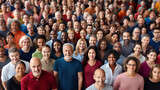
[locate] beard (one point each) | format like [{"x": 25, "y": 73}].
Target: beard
[
  {"x": 76, "y": 30},
  {"x": 126, "y": 41}
]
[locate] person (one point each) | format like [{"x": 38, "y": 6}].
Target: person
[
  {"x": 79, "y": 51},
  {"x": 47, "y": 62},
  {"x": 90, "y": 64},
  {"x": 111, "y": 68},
  {"x": 148, "y": 64},
  {"x": 135, "y": 35},
  {"x": 4, "y": 30},
  {"x": 26, "y": 51},
  {"x": 68, "y": 79},
  {"x": 93, "y": 40},
  {"x": 99, "y": 77},
  {"x": 38, "y": 78},
  {"x": 130, "y": 79},
  {"x": 90, "y": 9},
  {"x": 8, "y": 70},
  {"x": 153, "y": 81},
  {"x": 137, "y": 52},
  {"x": 14, "y": 83}
]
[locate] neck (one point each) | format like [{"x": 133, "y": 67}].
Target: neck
[
  {"x": 26, "y": 49},
  {"x": 154, "y": 80},
  {"x": 19, "y": 77},
  {"x": 46, "y": 59},
  {"x": 130, "y": 74},
  {"x": 31, "y": 33},
  {"x": 99, "y": 87},
  {"x": 68, "y": 60}
]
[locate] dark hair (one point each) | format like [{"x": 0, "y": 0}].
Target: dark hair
[
  {"x": 129, "y": 59},
  {"x": 125, "y": 17},
  {"x": 89, "y": 25},
  {"x": 155, "y": 66},
  {"x": 109, "y": 52},
  {"x": 151, "y": 50},
  {"x": 40, "y": 37},
  {"x": 99, "y": 43},
  {"x": 156, "y": 28},
  {"x": 116, "y": 34},
  {"x": 20, "y": 62},
  {"x": 96, "y": 31},
  {"x": 86, "y": 58},
  {"x": 10, "y": 33},
  {"x": 59, "y": 41}
]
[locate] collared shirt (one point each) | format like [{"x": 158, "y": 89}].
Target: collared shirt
[
  {"x": 126, "y": 50},
  {"x": 38, "y": 54},
  {"x": 78, "y": 57},
  {"x": 46, "y": 81},
  {"x": 111, "y": 76},
  {"x": 48, "y": 66}
]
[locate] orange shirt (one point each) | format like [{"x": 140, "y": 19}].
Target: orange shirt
[
  {"x": 17, "y": 36},
  {"x": 121, "y": 14},
  {"x": 16, "y": 45},
  {"x": 91, "y": 11}
]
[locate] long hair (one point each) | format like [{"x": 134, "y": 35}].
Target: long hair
[{"x": 77, "y": 46}]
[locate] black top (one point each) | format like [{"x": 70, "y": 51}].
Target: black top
[
  {"x": 13, "y": 84},
  {"x": 149, "y": 85}
]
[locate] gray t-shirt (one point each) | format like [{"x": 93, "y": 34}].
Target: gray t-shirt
[
  {"x": 5, "y": 62},
  {"x": 106, "y": 87}
]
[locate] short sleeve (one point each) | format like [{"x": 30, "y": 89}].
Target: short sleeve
[
  {"x": 80, "y": 68},
  {"x": 53, "y": 82},
  {"x": 55, "y": 66},
  {"x": 4, "y": 76}
]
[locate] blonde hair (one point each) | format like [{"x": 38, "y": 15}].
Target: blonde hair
[
  {"x": 77, "y": 46},
  {"x": 23, "y": 38}
]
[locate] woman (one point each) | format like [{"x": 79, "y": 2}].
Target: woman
[
  {"x": 99, "y": 34},
  {"x": 114, "y": 38},
  {"x": 57, "y": 49},
  {"x": 15, "y": 82},
  {"x": 80, "y": 47},
  {"x": 153, "y": 81},
  {"x": 102, "y": 47},
  {"x": 130, "y": 79},
  {"x": 26, "y": 50},
  {"x": 90, "y": 64},
  {"x": 137, "y": 52},
  {"x": 135, "y": 35},
  {"x": 47, "y": 62},
  {"x": 112, "y": 69},
  {"x": 148, "y": 64},
  {"x": 71, "y": 37},
  {"x": 47, "y": 30}
]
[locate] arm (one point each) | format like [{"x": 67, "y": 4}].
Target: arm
[
  {"x": 80, "y": 80},
  {"x": 56, "y": 76},
  {"x": 4, "y": 83}
]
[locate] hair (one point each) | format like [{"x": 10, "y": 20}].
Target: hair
[
  {"x": 125, "y": 17},
  {"x": 40, "y": 37},
  {"x": 13, "y": 20},
  {"x": 113, "y": 25},
  {"x": 155, "y": 66},
  {"x": 95, "y": 32},
  {"x": 129, "y": 59},
  {"x": 10, "y": 33},
  {"x": 77, "y": 46},
  {"x": 151, "y": 50},
  {"x": 116, "y": 34},
  {"x": 46, "y": 46},
  {"x": 59, "y": 41},
  {"x": 23, "y": 38},
  {"x": 3, "y": 21},
  {"x": 93, "y": 36},
  {"x": 125, "y": 32},
  {"x": 86, "y": 58},
  {"x": 145, "y": 35},
  {"x": 156, "y": 29},
  {"x": 68, "y": 44},
  {"x": 13, "y": 49},
  {"x": 20, "y": 62},
  {"x": 99, "y": 43}
]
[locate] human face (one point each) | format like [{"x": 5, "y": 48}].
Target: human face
[
  {"x": 152, "y": 56},
  {"x": 20, "y": 69},
  {"x": 71, "y": 35},
  {"x": 15, "y": 57},
  {"x": 91, "y": 54},
  {"x": 57, "y": 46},
  {"x": 114, "y": 38},
  {"x": 103, "y": 45},
  {"x": 30, "y": 28},
  {"x": 36, "y": 68},
  {"x": 112, "y": 29},
  {"x": 126, "y": 38},
  {"x": 64, "y": 36},
  {"x": 25, "y": 18},
  {"x": 111, "y": 59},
  {"x": 99, "y": 78},
  {"x": 141, "y": 21},
  {"x": 10, "y": 39},
  {"x": 89, "y": 20},
  {"x": 145, "y": 40},
  {"x": 117, "y": 47},
  {"x": 92, "y": 41},
  {"x": 82, "y": 45},
  {"x": 156, "y": 73},
  {"x": 89, "y": 29},
  {"x": 26, "y": 43},
  {"x": 40, "y": 42},
  {"x": 99, "y": 35},
  {"x": 47, "y": 28},
  {"x": 76, "y": 26},
  {"x": 131, "y": 66},
  {"x": 14, "y": 26},
  {"x": 53, "y": 35},
  {"x": 136, "y": 33},
  {"x": 143, "y": 31},
  {"x": 46, "y": 52},
  {"x": 137, "y": 49},
  {"x": 2, "y": 24},
  {"x": 156, "y": 34},
  {"x": 83, "y": 34},
  {"x": 69, "y": 25},
  {"x": 41, "y": 31},
  {"x": 68, "y": 52},
  {"x": 2, "y": 52},
  {"x": 61, "y": 27},
  {"x": 83, "y": 24}
]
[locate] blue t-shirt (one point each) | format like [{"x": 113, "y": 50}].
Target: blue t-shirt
[
  {"x": 68, "y": 73},
  {"x": 155, "y": 45},
  {"x": 55, "y": 57},
  {"x": 32, "y": 37}
]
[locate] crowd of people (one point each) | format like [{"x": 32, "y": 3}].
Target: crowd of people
[{"x": 80, "y": 44}]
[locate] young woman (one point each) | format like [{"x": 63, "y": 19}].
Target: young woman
[
  {"x": 114, "y": 39},
  {"x": 153, "y": 81},
  {"x": 90, "y": 64},
  {"x": 71, "y": 37},
  {"x": 130, "y": 79}
]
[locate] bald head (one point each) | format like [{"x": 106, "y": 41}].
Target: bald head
[
  {"x": 117, "y": 46},
  {"x": 99, "y": 71},
  {"x": 99, "y": 77}
]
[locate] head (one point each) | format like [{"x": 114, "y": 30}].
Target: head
[
  {"x": 126, "y": 37},
  {"x": 137, "y": 48},
  {"x": 14, "y": 25},
  {"x": 71, "y": 34},
  {"x": 102, "y": 44},
  {"x": 64, "y": 36},
  {"x": 76, "y": 26},
  {"x": 141, "y": 21},
  {"x": 40, "y": 40},
  {"x": 89, "y": 29},
  {"x": 155, "y": 72},
  {"x": 89, "y": 19},
  {"x": 41, "y": 30},
  {"x": 53, "y": 34},
  {"x": 68, "y": 50},
  {"x": 36, "y": 67},
  {"x": 14, "y": 55},
  {"x": 25, "y": 41},
  {"x": 81, "y": 45},
  {"x": 83, "y": 34},
  {"x": 117, "y": 47},
  {"x": 99, "y": 34},
  {"x": 99, "y": 77},
  {"x": 92, "y": 40},
  {"x": 46, "y": 51},
  {"x": 20, "y": 68},
  {"x": 152, "y": 55},
  {"x": 156, "y": 33},
  {"x": 136, "y": 32},
  {"x": 2, "y": 23},
  {"x": 145, "y": 39},
  {"x": 30, "y": 28},
  {"x": 115, "y": 37},
  {"x": 57, "y": 46},
  {"x": 2, "y": 51}
]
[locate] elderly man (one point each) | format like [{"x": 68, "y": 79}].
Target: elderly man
[
  {"x": 99, "y": 77},
  {"x": 38, "y": 79},
  {"x": 77, "y": 29},
  {"x": 68, "y": 71},
  {"x": 8, "y": 70}
]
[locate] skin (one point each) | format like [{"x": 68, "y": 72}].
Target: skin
[
  {"x": 131, "y": 67},
  {"x": 46, "y": 52},
  {"x": 155, "y": 75},
  {"x": 40, "y": 43},
  {"x": 111, "y": 59},
  {"x": 14, "y": 26},
  {"x": 103, "y": 45},
  {"x": 91, "y": 54},
  {"x": 57, "y": 46},
  {"x": 126, "y": 38},
  {"x": 92, "y": 41}
]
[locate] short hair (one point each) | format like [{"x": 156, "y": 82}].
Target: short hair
[
  {"x": 68, "y": 44},
  {"x": 129, "y": 59},
  {"x": 145, "y": 35},
  {"x": 13, "y": 20},
  {"x": 30, "y": 24},
  {"x": 40, "y": 37},
  {"x": 20, "y": 62},
  {"x": 125, "y": 32},
  {"x": 10, "y": 33},
  {"x": 13, "y": 49},
  {"x": 93, "y": 36},
  {"x": 3, "y": 21},
  {"x": 17, "y": 2},
  {"x": 157, "y": 28},
  {"x": 23, "y": 38},
  {"x": 90, "y": 25}
]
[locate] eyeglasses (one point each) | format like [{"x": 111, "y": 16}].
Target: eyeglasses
[{"x": 131, "y": 65}]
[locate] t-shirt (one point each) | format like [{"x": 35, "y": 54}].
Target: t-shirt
[
  {"x": 13, "y": 84},
  {"x": 4, "y": 33},
  {"x": 106, "y": 87},
  {"x": 144, "y": 69},
  {"x": 67, "y": 73},
  {"x": 148, "y": 85}
]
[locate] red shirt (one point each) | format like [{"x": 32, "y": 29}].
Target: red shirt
[
  {"x": 158, "y": 59},
  {"x": 89, "y": 72},
  {"x": 77, "y": 35},
  {"x": 46, "y": 81}
]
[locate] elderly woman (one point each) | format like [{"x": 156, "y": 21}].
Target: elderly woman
[
  {"x": 26, "y": 50},
  {"x": 130, "y": 79},
  {"x": 14, "y": 26}
]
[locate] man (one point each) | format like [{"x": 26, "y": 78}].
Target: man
[
  {"x": 99, "y": 77},
  {"x": 93, "y": 40},
  {"x": 68, "y": 71},
  {"x": 122, "y": 12},
  {"x": 89, "y": 31},
  {"x": 38, "y": 79},
  {"x": 155, "y": 41},
  {"x": 3, "y": 29},
  {"x": 77, "y": 30},
  {"x": 27, "y": 8},
  {"x": 5, "y": 13},
  {"x": 127, "y": 46},
  {"x": 90, "y": 9},
  {"x": 8, "y": 70},
  {"x": 140, "y": 23},
  {"x": 64, "y": 37},
  {"x": 26, "y": 21}
]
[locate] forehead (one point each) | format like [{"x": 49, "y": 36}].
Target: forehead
[
  {"x": 92, "y": 38},
  {"x": 126, "y": 34},
  {"x": 67, "y": 47},
  {"x": 13, "y": 53}
]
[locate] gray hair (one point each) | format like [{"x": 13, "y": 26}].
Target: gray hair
[
  {"x": 13, "y": 49},
  {"x": 30, "y": 24},
  {"x": 145, "y": 35},
  {"x": 13, "y": 20},
  {"x": 68, "y": 44}
]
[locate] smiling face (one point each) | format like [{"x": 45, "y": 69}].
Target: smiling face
[
  {"x": 111, "y": 59},
  {"x": 68, "y": 52},
  {"x": 46, "y": 52},
  {"x": 57, "y": 46},
  {"x": 91, "y": 54},
  {"x": 99, "y": 77},
  {"x": 14, "y": 26},
  {"x": 137, "y": 48},
  {"x": 82, "y": 45},
  {"x": 152, "y": 56},
  {"x": 103, "y": 45},
  {"x": 131, "y": 66},
  {"x": 156, "y": 73},
  {"x": 26, "y": 43},
  {"x": 15, "y": 57},
  {"x": 20, "y": 69}
]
